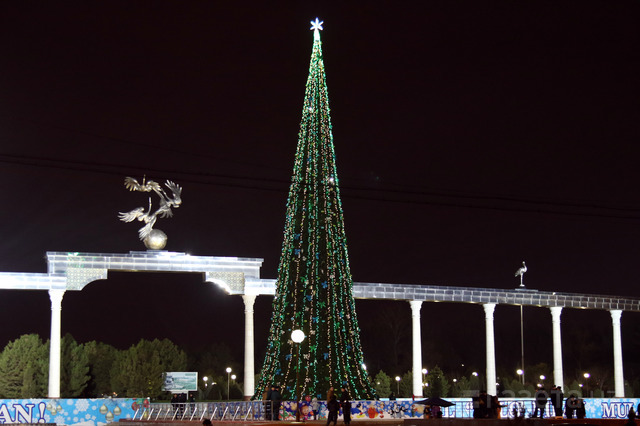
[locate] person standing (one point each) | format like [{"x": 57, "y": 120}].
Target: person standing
[
  {"x": 345, "y": 402},
  {"x": 333, "y": 406},
  {"x": 268, "y": 403},
  {"x": 315, "y": 406},
  {"x": 556, "y": 398},
  {"x": 276, "y": 398},
  {"x": 541, "y": 402},
  {"x": 632, "y": 417},
  {"x": 570, "y": 406},
  {"x": 581, "y": 411},
  {"x": 330, "y": 393}
]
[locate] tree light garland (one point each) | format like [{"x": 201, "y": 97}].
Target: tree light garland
[{"x": 314, "y": 286}]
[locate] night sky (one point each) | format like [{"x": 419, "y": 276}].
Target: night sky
[{"x": 469, "y": 135}]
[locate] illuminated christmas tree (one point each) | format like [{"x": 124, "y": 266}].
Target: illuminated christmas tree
[{"x": 314, "y": 286}]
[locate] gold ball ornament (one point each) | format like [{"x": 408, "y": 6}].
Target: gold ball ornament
[{"x": 156, "y": 240}]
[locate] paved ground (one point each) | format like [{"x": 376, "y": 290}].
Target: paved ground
[
  {"x": 359, "y": 422},
  {"x": 400, "y": 422}
]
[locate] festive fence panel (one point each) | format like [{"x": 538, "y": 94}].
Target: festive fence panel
[
  {"x": 77, "y": 412},
  {"x": 98, "y": 412}
]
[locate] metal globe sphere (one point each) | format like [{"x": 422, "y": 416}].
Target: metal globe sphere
[{"x": 156, "y": 240}]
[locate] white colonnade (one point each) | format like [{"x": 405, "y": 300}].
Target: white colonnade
[
  {"x": 491, "y": 387},
  {"x": 241, "y": 276}
]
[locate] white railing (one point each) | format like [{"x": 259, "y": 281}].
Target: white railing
[{"x": 232, "y": 410}]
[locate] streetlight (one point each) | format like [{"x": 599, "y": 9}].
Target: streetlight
[
  {"x": 521, "y": 338},
  {"x": 228, "y": 381},
  {"x": 204, "y": 379},
  {"x": 424, "y": 376},
  {"x": 586, "y": 380},
  {"x": 297, "y": 336},
  {"x": 520, "y": 373},
  {"x": 398, "y": 385}
]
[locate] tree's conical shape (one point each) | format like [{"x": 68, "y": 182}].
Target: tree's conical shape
[{"x": 314, "y": 286}]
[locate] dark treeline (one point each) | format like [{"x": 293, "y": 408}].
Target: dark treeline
[{"x": 95, "y": 369}]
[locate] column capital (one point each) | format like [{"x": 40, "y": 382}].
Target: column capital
[
  {"x": 489, "y": 308},
  {"x": 555, "y": 313},
  {"x": 416, "y": 305},
  {"x": 616, "y": 314},
  {"x": 56, "y": 295},
  {"x": 249, "y": 300}
]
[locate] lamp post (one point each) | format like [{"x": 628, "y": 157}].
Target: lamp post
[
  {"x": 521, "y": 341},
  {"x": 297, "y": 336},
  {"x": 204, "y": 392},
  {"x": 586, "y": 381},
  {"x": 424, "y": 376},
  {"x": 520, "y": 373},
  {"x": 398, "y": 385},
  {"x": 228, "y": 381}
]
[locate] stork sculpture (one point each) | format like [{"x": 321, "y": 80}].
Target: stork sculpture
[
  {"x": 152, "y": 238},
  {"x": 520, "y": 272}
]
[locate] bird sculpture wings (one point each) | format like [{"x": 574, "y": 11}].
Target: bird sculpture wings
[
  {"x": 132, "y": 185},
  {"x": 166, "y": 204}
]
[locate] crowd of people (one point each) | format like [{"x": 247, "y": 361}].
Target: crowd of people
[
  {"x": 333, "y": 406},
  {"x": 572, "y": 406},
  {"x": 486, "y": 406},
  {"x": 272, "y": 399},
  {"x": 179, "y": 400}
]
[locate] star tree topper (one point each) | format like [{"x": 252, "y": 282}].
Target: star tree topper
[{"x": 316, "y": 26}]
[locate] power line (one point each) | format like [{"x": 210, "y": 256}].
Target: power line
[{"x": 404, "y": 196}]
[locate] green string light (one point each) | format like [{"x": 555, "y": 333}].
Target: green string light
[{"x": 314, "y": 285}]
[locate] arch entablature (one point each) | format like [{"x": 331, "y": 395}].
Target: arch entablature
[{"x": 73, "y": 271}]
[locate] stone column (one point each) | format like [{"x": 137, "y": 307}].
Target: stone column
[
  {"x": 618, "y": 375},
  {"x": 491, "y": 348},
  {"x": 558, "y": 376},
  {"x": 417, "y": 347},
  {"x": 54, "y": 346},
  {"x": 249, "y": 373}
]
